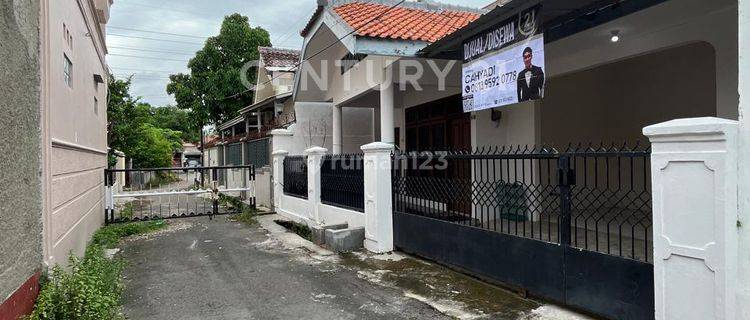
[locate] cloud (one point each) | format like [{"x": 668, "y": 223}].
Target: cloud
[{"x": 200, "y": 18}]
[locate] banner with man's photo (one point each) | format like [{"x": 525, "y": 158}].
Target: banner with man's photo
[{"x": 505, "y": 64}]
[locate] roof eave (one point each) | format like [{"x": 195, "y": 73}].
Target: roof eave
[{"x": 388, "y": 47}]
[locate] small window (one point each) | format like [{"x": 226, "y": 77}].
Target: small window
[
  {"x": 68, "y": 71},
  {"x": 96, "y": 106}
]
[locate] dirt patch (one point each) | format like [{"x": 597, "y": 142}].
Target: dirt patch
[
  {"x": 173, "y": 226},
  {"x": 450, "y": 292}
]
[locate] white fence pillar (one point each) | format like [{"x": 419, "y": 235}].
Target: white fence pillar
[
  {"x": 314, "y": 160},
  {"x": 282, "y": 139},
  {"x": 744, "y": 163},
  {"x": 277, "y": 178},
  {"x": 694, "y": 174},
  {"x": 378, "y": 197}
]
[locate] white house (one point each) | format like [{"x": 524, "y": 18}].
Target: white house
[{"x": 568, "y": 177}]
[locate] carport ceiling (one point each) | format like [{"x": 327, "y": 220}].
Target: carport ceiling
[{"x": 561, "y": 18}]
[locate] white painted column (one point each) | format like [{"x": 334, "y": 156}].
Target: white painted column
[
  {"x": 378, "y": 197},
  {"x": 743, "y": 294},
  {"x": 387, "y": 104},
  {"x": 694, "y": 174},
  {"x": 338, "y": 137},
  {"x": 277, "y": 177},
  {"x": 314, "y": 160},
  {"x": 282, "y": 139}
]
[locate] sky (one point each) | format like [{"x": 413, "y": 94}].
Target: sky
[{"x": 181, "y": 26}]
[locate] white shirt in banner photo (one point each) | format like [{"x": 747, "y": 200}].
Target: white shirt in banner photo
[{"x": 513, "y": 75}]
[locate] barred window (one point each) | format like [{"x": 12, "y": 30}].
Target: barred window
[
  {"x": 234, "y": 154},
  {"x": 67, "y": 71},
  {"x": 257, "y": 153}
]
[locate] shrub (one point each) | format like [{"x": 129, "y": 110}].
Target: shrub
[
  {"x": 90, "y": 290},
  {"x": 91, "y": 287}
]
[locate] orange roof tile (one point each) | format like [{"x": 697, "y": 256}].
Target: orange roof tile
[{"x": 402, "y": 23}]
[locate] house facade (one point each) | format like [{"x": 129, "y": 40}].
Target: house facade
[
  {"x": 567, "y": 176},
  {"x": 57, "y": 103}
]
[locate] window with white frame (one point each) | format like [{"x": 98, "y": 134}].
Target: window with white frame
[{"x": 67, "y": 71}]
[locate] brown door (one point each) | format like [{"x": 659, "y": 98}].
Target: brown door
[{"x": 459, "y": 171}]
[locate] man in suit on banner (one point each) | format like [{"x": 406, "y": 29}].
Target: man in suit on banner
[{"x": 530, "y": 79}]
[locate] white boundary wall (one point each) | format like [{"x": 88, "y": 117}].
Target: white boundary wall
[{"x": 309, "y": 211}]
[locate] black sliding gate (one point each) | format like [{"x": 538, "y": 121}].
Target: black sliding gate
[{"x": 573, "y": 227}]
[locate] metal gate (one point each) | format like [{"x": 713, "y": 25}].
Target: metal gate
[
  {"x": 166, "y": 193},
  {"x": 573, "y": 226}
]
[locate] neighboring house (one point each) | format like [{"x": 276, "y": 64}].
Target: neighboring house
[
  {"x": 189, "y": 151},
  {"x": 54, "y": 77},
  {"x": 245, "y": 140},
  {"x": 367, "y": 59}
]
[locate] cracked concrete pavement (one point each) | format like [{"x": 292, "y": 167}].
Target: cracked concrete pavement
[{"x": 201, "y": 269}]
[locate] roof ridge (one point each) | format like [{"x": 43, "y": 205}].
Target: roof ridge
[
  {"x": 424, "y": 5},
  {"x": 279, "y": 49}
]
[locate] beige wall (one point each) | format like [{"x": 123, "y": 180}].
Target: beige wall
[
  {"x": 671, "y": 63},
  {"x": 613, "y": 103},
  {"x": 667, "y": 25},
  {"x": 272, "y": 83},
  {"x": 263, "y": 91},
  {"x": 74, "y": 132}
]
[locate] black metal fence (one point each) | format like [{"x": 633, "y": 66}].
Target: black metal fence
[
  {"x": 590, "y": 197},
  {"x": 295, "y": 176},
  {"x": 342, "y": 181},
  {"x": 258, "y": 152}
]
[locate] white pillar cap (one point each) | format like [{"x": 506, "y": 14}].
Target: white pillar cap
[
  {"x": 378, "y": 147},
  {"x": 315, "y": 151},
  {"x": 691, "y": 126},
  {"x": 280, "y": 153},
  {"x": 281, "y": 132}
]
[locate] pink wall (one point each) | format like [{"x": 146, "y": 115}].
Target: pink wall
[{"x": 73, "y": 128}]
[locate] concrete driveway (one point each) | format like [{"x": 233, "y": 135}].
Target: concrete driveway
[{"x": 201, "y": 269}]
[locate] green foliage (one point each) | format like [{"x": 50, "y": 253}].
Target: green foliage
[
  {"x": 136, "y": 130},
  {"x": 178, "y": 120},
  {"x": 215, "y": 73},
  {"x": 127, "y": 211},
  {"x": 154, "y": 147},
  {"x": 89, "y": 291},
  {"x": 246, "y": 217},
  {"x": 162, "y": 178},
  {"x": 298, "y": 228},
  {"x": 109, "y": 236},
  {"x": 91, "y": 287},
  {"x": 247, "y": 213}
]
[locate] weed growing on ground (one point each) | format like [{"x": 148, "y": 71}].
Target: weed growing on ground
[
  {"x": 127, "y": 211},
  {"x": 298, "y": 228},
  {"x": 247, "y": 213},
  {"x": 161, "y": 179},
  {"x": 109, "y": 236},
  {"x": 91, "y": 287}
]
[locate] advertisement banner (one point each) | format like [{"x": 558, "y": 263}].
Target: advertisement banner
[{"x": 505, "y": 64}]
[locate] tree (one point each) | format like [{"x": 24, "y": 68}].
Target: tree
[
  {"x": 213, "y": 91},
  {"x": 154, "y": 147},
  {"x": 175, "y": 119},
  {"x": 135, "y": 130}
]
